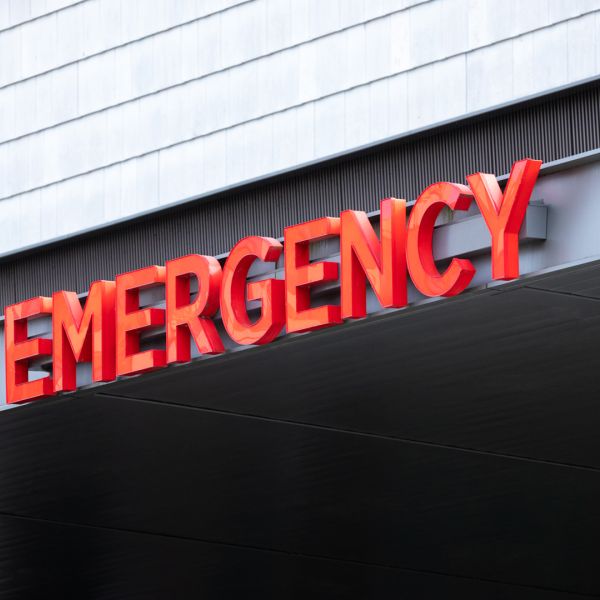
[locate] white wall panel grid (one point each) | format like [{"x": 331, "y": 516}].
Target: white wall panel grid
[
  {"x": 170, "y": 58},
  {"x": 313, "y": 72},
  {"x": 245, "y": 28},
  {"x": 249, "y": 90},
  {"x": 16, "y": 12}
]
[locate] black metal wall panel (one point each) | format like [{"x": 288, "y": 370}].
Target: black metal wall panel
[{"x": 553, "y": 128}]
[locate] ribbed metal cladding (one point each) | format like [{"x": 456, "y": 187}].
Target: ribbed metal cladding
[{"x": 554, "y": 128}]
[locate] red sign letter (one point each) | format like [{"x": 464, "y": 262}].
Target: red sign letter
[
  {"x": 271, "y": 293},
  {"x": 130, "y": 320},
  {"x": 20, "y": 349},
  {"x": 383, "y": 263},
  {"x": 419, "y": 243},
  {"x": 83, "y": 335},
  {"x": 300, "y": 274},
  {"x": 185, "y": 318},
  {"x": 504, "y": 214}
]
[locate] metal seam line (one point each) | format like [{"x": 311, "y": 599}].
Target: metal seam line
[
  {"x": 72, "y": 524},
  {"x": 389, "y": 438},
  {"x": 41, "y": 16}
]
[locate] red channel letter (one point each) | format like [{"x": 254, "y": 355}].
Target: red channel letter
[
  {"x": 419, "y": 243},
  {"x": 19, "y": 350},
  {"x": 130, "y": 320},
  {"x": 363, "y": 257},
  {"x": 185, "y": 318},
  {"x": 270, "y": 292},
  {"x": 504, "y": 213},
  {"x": 83, "y": 335},
  {"x": 301, "y": 274}
]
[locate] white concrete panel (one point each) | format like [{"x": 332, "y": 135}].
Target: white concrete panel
[
  {"x": 64, "y": 98},
  {"x": 278, "y": 24},
  {"x": 489, "y": 76},
  {"x": 139, "y": 185},
  {"x": 11, "y": 56},
  {"x": 215, "y": 106},
  {"x": 285, "y": 144},
  {"x": 20, "y": 10},
  {"x": 305, "y": 132},
  {"x": 379, "y": 126},
  {"x": 70, "y": 216},
  {"x": 209, "y": 44},
  {"x": 438, "y": 29},
  {"x": 597, "y": 38},
  {"x": 235, "y": 157},
  {"x": 41, "y": 90},
  {"x": 354, "y": 11},
  {"x": 188, "y": 51},
  {"x": 258, "y": 147},
  {"x": 94, "y": 29},
  {"x": 524, "y": 68},
  {"x": 534, "y": 13},
  {"x": 357, "y": 103},
  {"x": 97, "y": 87},
  {"x": 70, "y": 35},
  {"x": 112, "y": 193},
  {"x": 213, "y": 161},
  {"x": 559, "y": 9},
  {"x": 48, "y": 215},
  {"x": 278, "y": 78},
  {"x": 400, "y": 36},
  {"x": 243, "y": 32},
  {"x": 329, "y": 125},
  {"x": 449, "y": 88},
  {"x": 398, "y": 104},
  {"x": 323, "y": 16},
  {"x": 4, "y": 14},
  {"x": 180, "y": 172},
  {"x": 14, "y": 12},
  {"x": 332, "y": 69},
  {"x": 490, "y": 21},
  {"x": 356, "y": 57},
  {"x": 12, "y": 224},
  {"x": 30, "y": 218},
  {"x": 551, "y": 56},
  {"x": 421, "y": 104},
  {"x": 147, "y": 186},
  {"x": 378, "y": 55},
  {"x": 244, "y": 94},
  {"x": 8, "y": 107},
  {"x": 581, "y": 39}
]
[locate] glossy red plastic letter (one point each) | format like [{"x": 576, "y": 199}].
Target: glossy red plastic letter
[
  {"x": 504, "y": 213},
  {"x": 270, "y": 292},
  {"x": 130, "y": 320},
  {"x": 185, "y": 318},
  {"x": 20, "y": 349},
  {"x": 363, "y": 256},
  {"x": 419, "y": 241},
  {"x": 83, "y": 335},
  {"x": 301, "y": 274}
]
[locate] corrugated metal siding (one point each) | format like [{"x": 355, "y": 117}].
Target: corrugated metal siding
[{"x": 556, "y": 128}]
